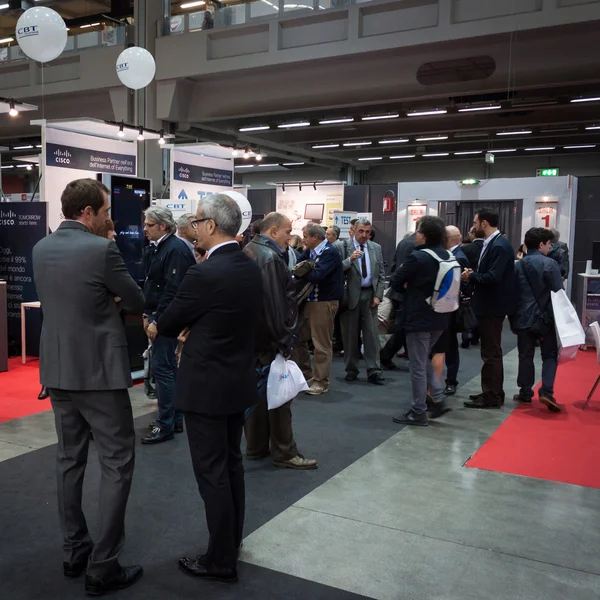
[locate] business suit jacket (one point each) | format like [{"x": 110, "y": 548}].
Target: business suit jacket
[
  {"x": 353, "y": 274},
  {"x": 221, "y": 301},
  {"x": 473, "y": 252},
  {"x": 77, "y": 276},
  {"x": 494, "y": 292}
]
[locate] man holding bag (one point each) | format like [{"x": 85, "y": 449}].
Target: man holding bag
[{"x": 536, "y": 277}]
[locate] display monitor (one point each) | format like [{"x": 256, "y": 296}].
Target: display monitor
[
  {"x": 596, "y": 255},
  {"x": 314, "y": 212}
]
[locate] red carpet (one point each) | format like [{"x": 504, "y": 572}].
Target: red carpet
[
  {"x": 561, "y": 446},
  {"x": 20, "y": 387}
]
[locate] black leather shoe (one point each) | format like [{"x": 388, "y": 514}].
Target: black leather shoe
[
  {"x": 438, "y": 409},
  {"x": 196, "y": 567},
  {"x": 351, "y": 377},
  {"x": 519, "y": 399},
  {"x": 412, "y": 418},
  {"x": 387, "y": 363},
  {"x": 43, "y": 393},
  {"x": 72, "y": 570},
  {"x": 178, "y": 427},
  {"x": 476, "y": 396},
  {"x": 127, "y": 576},
  {"x": 450, "y": 390},
  {"x": 482, "y": 403},
  {"x": 376, "y": 378},
  {"x": 157, "y": 436}
]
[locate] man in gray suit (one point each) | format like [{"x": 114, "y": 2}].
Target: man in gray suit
[
  {"x": 363, "y": 267},
  {"x": 83, "y": 283}
]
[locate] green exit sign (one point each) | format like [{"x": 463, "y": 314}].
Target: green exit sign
[{"x": 547, "y": 173}]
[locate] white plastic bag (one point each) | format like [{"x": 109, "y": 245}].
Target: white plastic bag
[
  {"x": 285, "y": 382},
  {"x": 569, "y": 332}
]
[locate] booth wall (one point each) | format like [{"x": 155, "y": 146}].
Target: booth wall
[
  {"x": 12, "y": 184},
  {"x": 262, "y": 201}
]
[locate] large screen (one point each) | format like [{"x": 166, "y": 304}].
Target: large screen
[{"x": 130, "y": 197}]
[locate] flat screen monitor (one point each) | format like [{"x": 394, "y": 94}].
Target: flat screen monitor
[
  {"x": 596, "y": 255},
  {"x": 314, "y": 212},
  {"x": 129, "y": 198}
]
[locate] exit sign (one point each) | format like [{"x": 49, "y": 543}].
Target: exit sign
[{"x": 547, "y": 173}]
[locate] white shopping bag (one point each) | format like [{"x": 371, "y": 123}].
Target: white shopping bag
[
  {"x": 569, "y": 332},
  {"x": 285, "y": 382}
]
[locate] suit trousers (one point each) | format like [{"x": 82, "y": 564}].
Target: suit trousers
[
  {"x": 215, "y": 448},
  {"x": 492, "y": 372},
  {"x": 274, "y": 426},
  {"x": 362, "y": 318},
  {"x": 108, "y": 414},
  {"x": 452, "y": 355},
  {"x": 321, "y": 317},
  {"x": 549, "y": 348}
]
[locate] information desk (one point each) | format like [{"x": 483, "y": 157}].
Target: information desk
[
  {"x": 588, "y": 293},
  {"x": 24, "y": 306}
]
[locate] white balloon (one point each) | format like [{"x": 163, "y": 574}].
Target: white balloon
[
  {"x": 136, "y": 67},
  {"x": 41, "y": 34},
  {"x": 245, "y": 207}
]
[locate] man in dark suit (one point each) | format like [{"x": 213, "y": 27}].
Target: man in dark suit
[
  {"x": 453, "y": 244},
  {"x": 363, "y": 265},
  {"x": 493, "y": 299},
  {"x": 220, "y": 302},
  {"x": 472, "y": 251},
  {"x": 85, "y": 365}
]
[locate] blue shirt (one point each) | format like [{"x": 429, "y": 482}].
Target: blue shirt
[
  {"x": 367, "y": 281},
  {"x": 318, "y": 250}
]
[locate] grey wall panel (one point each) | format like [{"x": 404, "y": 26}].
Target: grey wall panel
[
  {"x": 238, "y": 42},
  {"x": 392, "y": 18},
  {"x": 297, "y": 33},
  {"x": 66, "y": 71},
  {"x": 480, "y": 10},
  {"x": 14, "y": 77},
  {"x": 565, "y": 3}
]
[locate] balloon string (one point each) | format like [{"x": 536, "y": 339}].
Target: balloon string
[{"x": 43, "y": 98}]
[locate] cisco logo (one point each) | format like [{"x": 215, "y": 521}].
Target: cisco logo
[
  {"x": 122, "y": 67},
  {"x": 63, "y": 157},
  {"x": 184, "y": 173},
  {"x": 28, "y": 31}
]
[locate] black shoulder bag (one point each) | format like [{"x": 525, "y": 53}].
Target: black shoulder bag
[{"x": 545, "y": 323}]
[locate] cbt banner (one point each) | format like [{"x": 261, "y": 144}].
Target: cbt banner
[{"x": 22, "y": 226}]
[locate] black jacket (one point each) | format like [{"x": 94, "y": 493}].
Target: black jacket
[
  {"x": 419, "y": 273},
  {"x": 328, "y": 274},
  {"x": 494, "y": 292},
  {"x": 165, "y": 267},
  {"x": 560, "y": 253},
  {"x": 536, "y": 276},
  {"x": 473, "y": 252},
  {"x": 279, "y": 316},
  {"x": 403, "y": 250},
  {"x": 220, "y": 300}
]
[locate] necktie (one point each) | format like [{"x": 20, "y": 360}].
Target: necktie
[{"x": 363, "y": 262}]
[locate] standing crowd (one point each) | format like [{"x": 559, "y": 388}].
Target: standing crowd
[{"x": 217, "y": 315}]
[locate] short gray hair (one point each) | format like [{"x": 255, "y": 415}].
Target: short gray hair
[
  {"x": 184, "y": 220},
  {"x": 336, "y": 230},
  {"x": 555, "y": 234},
  {"x": 314, "y": 230},
  {"x": 273, "y": 219},
  {"x": 162, "y": 216},
  {"x": 224, "y": 211},
  {"x": 363, "y": 221}
]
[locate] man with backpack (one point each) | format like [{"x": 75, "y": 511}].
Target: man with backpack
[
  {"x": 537, "y": 276},
  {"x": 429, "y": 279}
]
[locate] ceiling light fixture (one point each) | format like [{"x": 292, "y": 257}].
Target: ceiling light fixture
[
  {"x": 432, "y": 138},
  {"x": 425, "y": 113},
  {"x": 141, "y": 134},
  {"x": 579, "y": 147},
  {"x": 234, "y": 151},
  {"x": 372, "y": 158},
  {"x": 7, "y": 167},
  {"x": 270, "y": 165},
  {"x": 259, "y": 156},
  {"x": 436, "y": 154},
  {"x": 3, "y": 6},
  {"x": 334, "y": 121},
  {"x": 22, "y": 147},
  {"x": 192, "y": 4},
  {"x": 246, "y": 153},
  {"x": 349, "y": 144},
  {"x": 466, "y": 152},
  {"x": 380, "y": 117},
  {"x": 23, "y": 166},
  {"x": 503, "y": 150},
  {"x": 521, "y": 132},
  {"x": 321, "y": 146},
  {"x": 592, "y": 128},
  {"x": 161, "y": 139},
  {"x": 398, "y": 141},
  {"x": 540, "y": 149},
  {"x": 7, "y": 40},
  {"x": 39, "y": 146},
  {"x": 244, "y": 166},
  {"x": 29, "y": 167},
  {"x": 403, "y": 156},
  {"x": 292, "y": 164},
  {"x": 479, "y": 108},
  {"x": 290, "y": 125},
  {"x": 13, "y": 112},
  {"x": 121, "y": 133},
  {"x": 255, "y": 128},
  {"x": 594, "y": 99}
]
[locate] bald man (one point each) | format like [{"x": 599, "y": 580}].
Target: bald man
[{"x": 454, "y": 245}]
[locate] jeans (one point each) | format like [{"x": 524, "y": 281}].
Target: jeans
[
  {"x": 526, "y": 377},
  {"x": 419, "y": 345},
  {"x": 164, "y": 368}
]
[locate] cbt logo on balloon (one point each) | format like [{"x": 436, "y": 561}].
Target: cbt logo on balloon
[
  {"x": 41, "y": 34},
  {"x": 28, "y": 31}
]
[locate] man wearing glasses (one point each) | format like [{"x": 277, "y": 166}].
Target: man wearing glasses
[{"x": 167, "y": 261}]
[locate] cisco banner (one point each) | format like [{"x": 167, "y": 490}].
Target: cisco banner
[
  {"x": 69, "y": 157},
  {"x": 22, "y": 225}
]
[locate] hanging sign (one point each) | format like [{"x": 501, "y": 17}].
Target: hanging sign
[
  {"x": 414, "y": 213},
  {"x": 545, "y": 214}
]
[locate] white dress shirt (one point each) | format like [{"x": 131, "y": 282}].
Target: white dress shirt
[
  {"x": 486, "y": 243},
  {"x": 367, "y": 281},
  {"x": 219, "y": 246}
]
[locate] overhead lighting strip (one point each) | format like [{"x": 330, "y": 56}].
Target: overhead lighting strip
[
  {"x": 380, "y": 117},
  {"x": 479, "y": 108},
  {"x": 335, "y": 121}
]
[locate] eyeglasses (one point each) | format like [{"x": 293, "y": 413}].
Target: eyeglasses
[
  {"x": 195, "y": 222},
  {"x": 149, "y": 225}
]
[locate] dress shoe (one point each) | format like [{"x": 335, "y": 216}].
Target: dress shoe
[
  {"x": 177, "y": 428},
  {"x": 157, "y": 436},
  {"x": 72, "y": 570},
  {"x": 520, "y": 399},
  {"x": 465, "y": 345},
  {"x": 198, "y": 568},
  {"x": 402, "y": 354},
  {"x": 43, "y": 393},
  {"x": 482, "y": 403},
  {"x": 298, "y": 462},
  {"x": 412, "y": 418},
  {"x": 126, "y": 576},
  {"x": 376, "y": 378},
  {"x": 387, "y": 363},
  {"x": 476, "y": 396},
  {"x": 450, "y": 390},
  {"x": 550, "y": 401},
  {"x": 316, "y": 390},
  {"x": 351, "y": 376},
  {"x": 438, "y": 409}
]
